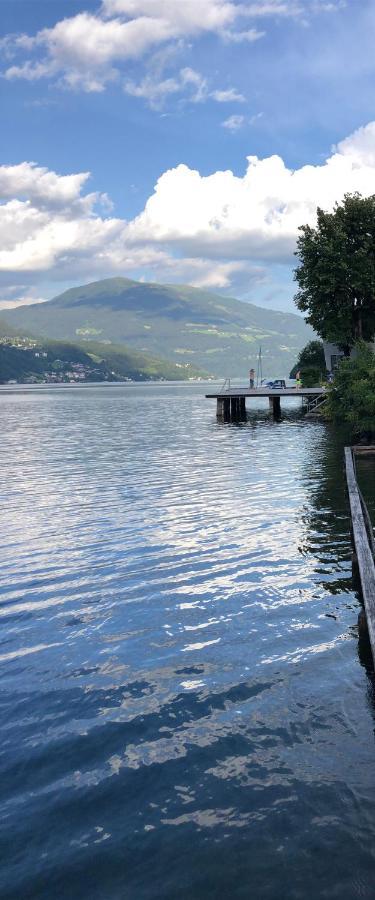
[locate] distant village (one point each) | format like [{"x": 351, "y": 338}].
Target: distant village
[
  {"x": 56, "y": 371},
  {"x": 25, "y": 360}
]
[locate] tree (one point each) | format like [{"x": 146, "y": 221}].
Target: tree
[
  {"x": 351, "y": 397},
  {"x": 311, "y": 357},
  {"x": 336, "y": 275}
]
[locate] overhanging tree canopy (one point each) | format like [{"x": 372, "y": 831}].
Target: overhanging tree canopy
[{"x": 336, "y": 275}]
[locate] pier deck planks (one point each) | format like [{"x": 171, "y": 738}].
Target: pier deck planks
[{"x": 267, "y": 392}]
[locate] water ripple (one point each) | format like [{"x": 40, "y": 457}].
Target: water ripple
[{"x": 183, "y": 708}]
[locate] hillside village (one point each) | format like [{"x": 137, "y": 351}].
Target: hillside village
[
  {"x": 38, "y": 365},
  {"x": 28, "y": 360}
]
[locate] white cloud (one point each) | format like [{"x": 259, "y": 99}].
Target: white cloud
[
  {"x": 359, "y": 147},
  {"x": 154, "y": 92},
  {"x": 257, "y": 216},
  {"x": 192, "y": 86},
  {"x": 255, "y": 118},
  {"x": 198, "y": 84},
  {"x": 228, "y": 96},
  {"x": 187, "y": 81},
  {"x": 85, "y": 50},
  {"x": 234, "y": 123},
  {"x": 46, "y": 189},
  {"x": 187, "y": 17},
  {"x": 239, "y": 37},
  {"x": 88, "y": 50},
  {"x": 218, "y": 14},
  {"x": 49, "y": 228},
  {"x": 291, "y": 8},
  {"x": 18, "y": 295},
  {"x": 216, "y": 231}
]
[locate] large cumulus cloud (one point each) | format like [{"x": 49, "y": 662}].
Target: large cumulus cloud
[{"x": 219, "y": 231}]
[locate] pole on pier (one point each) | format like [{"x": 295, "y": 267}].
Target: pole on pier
[{"x": 259, "y": 368}]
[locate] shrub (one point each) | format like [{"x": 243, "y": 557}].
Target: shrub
[
  {"x": 311, "y": 357},
  {"x": 310, "y": 376},
  {"x": 351, "y": 397}
]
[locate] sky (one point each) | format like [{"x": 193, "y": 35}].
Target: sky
[{"x": 178, "y": 141}]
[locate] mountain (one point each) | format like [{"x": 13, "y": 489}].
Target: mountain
[
  {"x": 124, "y": 362},
  {"x": 182, "y": 324},
  {"x": 26, "y": 359}
]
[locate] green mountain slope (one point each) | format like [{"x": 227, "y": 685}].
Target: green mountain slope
[
  {"x": 127, "y": 363},
  {"x": 182, "y": 324},
  {"x": 37, "y": 360}
]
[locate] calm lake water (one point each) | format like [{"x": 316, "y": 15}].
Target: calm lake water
[{"x": 186, "y": 709}]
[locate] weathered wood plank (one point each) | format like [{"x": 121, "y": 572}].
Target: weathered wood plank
[
  {"x": 363, "y": 450},
  {"x": 365, "y": 558},
  {"x": 368, "y": 523}
]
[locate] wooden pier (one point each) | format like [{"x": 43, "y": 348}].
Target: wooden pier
[
  {"x": 231, "y": 401},
  {"x": 363, "y": 540}
]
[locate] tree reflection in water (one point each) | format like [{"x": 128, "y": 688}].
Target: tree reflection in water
[{"x": 328, "y": 531}]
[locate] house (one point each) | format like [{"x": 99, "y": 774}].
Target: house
[{"x": 333, "y": 354}]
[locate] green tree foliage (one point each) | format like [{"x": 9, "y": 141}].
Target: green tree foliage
[
  {"x": 351, "y": 397},
  {"x": 311, "y": 357},
  {"x": 310, "y": 377},
  {"x": 336, "y": 275}
]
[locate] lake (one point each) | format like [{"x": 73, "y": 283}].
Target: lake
[{"x": 186, "y": 708}]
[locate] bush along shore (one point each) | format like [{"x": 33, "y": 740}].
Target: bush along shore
[{"x": 336, "y": 293}]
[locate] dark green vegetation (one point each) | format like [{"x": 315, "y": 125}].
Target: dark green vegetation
[
  {"x": 352, "y": 396},
  {"x": 310, "y": 364},
  {"x": 182, "y": 324},
  {"x": 25, "y": 359},
  {"x": 336, "y": 275},
  {"x": 34, "y": 360}
]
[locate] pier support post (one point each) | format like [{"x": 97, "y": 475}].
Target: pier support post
[
  {"x": 237, "y": 409},
  {"x": 275, "y": 407},
  {"x": 231, "y": 409},
  {"x": 223, "y": 408},
  {"x": 234, "y": 408}
]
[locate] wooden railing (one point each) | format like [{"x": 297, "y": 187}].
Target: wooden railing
[{"x": 364, "y": 545}]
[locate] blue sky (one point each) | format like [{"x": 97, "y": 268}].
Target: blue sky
[{"x": 162, "y": 102}]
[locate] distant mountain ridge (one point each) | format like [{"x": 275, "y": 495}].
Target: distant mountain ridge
[{"x": 215, "y": 333}]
